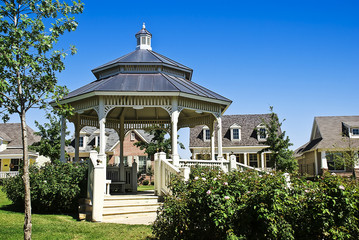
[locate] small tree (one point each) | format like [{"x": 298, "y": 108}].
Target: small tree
[
  {"x": 348, "y": 156},
  {"x": 281, "y": 156},
  {"x": 29, "y": 29},
  {"x": 158, "y": 143},
  {"x": 50, "y": 143}
]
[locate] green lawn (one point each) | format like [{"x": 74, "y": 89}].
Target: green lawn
[
  {"x": 145, "y": 187},
  {"x": 64, "y": 227}
]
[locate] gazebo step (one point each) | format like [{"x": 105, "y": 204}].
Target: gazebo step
[
  {"x": 130, "y": 209},
  {"x": 139, "y": 218},
  {"x": 130, "y": 202}
]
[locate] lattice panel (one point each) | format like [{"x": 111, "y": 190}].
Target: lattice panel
[
  {"x": 199, "y": 105},
  {"x": 150, "y": 101},
  {"x": 85, "y": 105}
]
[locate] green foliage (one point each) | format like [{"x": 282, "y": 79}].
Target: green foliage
[
  {"x": 281, "y": 156},
  {"x": 145, "y": 182},
  {"x": 158, "y": 143},
  {"x": 54, "y": 187},
  {"x": 247, "y": 205},
  {"x": 50, "y": 143}
]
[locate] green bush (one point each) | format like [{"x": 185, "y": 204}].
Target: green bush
[
  {"x": 145, "y": 182},
  {"x": 55, "y": 188},
  {"x": 153, "y": 183},
  {"x": 247, "y": 205}
]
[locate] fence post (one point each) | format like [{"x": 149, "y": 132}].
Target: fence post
[
  {"x": 157, "y": 173},
  {"x": 185, "y": 171},
  {"x": 98, "y": 185},
  {"x": 232, "y": 163}
]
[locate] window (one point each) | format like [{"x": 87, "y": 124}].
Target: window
[
  {"x": 262, "y": 133},
  {"x": 253, "y": 160},
  {"x": 98, "y": 141},
  {"x": 81, "y": 142},
  {"x": 138, "y": 41},
  {"x": 125, "y": 161},
  {"x": 268, "y": 158},
  {"x": 356, "y": 131},
  {"x": 331, "y": 160},
  {"x": 206, "y": 134},
  {"x": 133, "y": 136},
  {"x": 148, "y": 41},
  {"x": 236, "y": 134},
  {"x": 142, "y": 162},
  {"x": 143, "y": 40},
  {"x": 14, "y": 165}
]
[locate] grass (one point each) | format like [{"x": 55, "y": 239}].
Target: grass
[
  {"x": 145, "y": 187},
  {"x": 63, "y": 227}
]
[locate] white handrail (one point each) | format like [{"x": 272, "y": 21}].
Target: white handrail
[
  {"x": 243, "y": 166},
  {"x": 167, "y": 172},
  {"x": 8, "y": 174}
]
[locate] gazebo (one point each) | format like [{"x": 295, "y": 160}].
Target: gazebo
[{"x": 144, "y": 89}]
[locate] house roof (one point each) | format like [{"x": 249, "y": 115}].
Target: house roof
[
  {"x": 248, "y": 124},
  {"x": 328, "y": 134},
  {"x": 12, "y": 133},
  {"x": 112, "y": 138},
  {"x": 156, "y": 82}
]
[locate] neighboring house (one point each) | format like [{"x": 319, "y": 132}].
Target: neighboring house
[
  {"x": 90, "y": 140},
  {"x": 330, "y": 136},
  {"x": 11, "y": 152},
  {"x": 243, "y": 136}
]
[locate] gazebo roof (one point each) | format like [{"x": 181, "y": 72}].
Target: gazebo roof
[
  {"x": 142, "y": 56},
  {"x": 157, "y": 82}
]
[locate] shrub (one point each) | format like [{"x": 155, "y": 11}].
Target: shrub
[
  {"x": 247, "y": 205},
  {"x": 54, "y": 188},
  {"x": 145, "y": 182},
  {"x": 153, "y": 183}
]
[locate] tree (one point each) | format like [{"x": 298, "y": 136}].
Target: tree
[
  {"x": 158, "y": 143},
  {"x": 347, "y": 156},
  {"x": 29, "y": 31},
  {"x": 50, "y": 143},
  {"x": 281, "y": 156}
]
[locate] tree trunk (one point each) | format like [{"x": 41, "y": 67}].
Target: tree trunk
[{"x": 26, "y": 178}]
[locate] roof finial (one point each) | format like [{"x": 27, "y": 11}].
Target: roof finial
[{"x": 144, "y": 26}]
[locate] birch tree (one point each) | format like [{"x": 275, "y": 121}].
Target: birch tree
[{"x": 29, "y": 60}]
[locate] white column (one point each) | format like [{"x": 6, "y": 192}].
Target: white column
[
  {"x": 77, "y": 137},
  {"x": 174, "y": 120},
  {"x": 212, "y": 141},
  {"x": 219, "y": 135},
  {"x": 102, "y": 122},
  {"x": 63, "y": 134},
  {"x": 262, "y": 160},
  {"x": 324, "y": 161},
  {"x": 245, "y": 159},
  {"x": 122, "y": 165},
  {"x": 316, "y": 162}
]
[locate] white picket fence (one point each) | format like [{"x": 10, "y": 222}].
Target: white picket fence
[{"x": 8, "y": 174}]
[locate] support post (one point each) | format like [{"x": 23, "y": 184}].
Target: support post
[
  {"x": 262, "y": 160},
  {"x": 99, "y": 187},
  {"x": 134, "y": 177},
  {"x": 356, "y": 166},
  {"x": 159, "y": 175},
  {"x": 324, "y": 162},
  {"x": 174, "y": 121},
  {"x": 219, "y": 135},
  {"x": 245, "y": 155},
  {"x": 212, "y": 141},
  {"x": 122, "y": 137},
  {"x": 63, "y": 135},
  {"x": 315, "y": 163},
  {"x": 185, "y": 171},
  {"x": 77, "y": 137}
]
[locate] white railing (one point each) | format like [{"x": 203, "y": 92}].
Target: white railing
[
  {"x": 168, "y": 171},
  {"x": 90, "y": 181},
  {"x": 202, "y": 163},
  {"x": 8, "y": 174}
]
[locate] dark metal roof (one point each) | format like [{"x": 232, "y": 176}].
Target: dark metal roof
[
  {"x": 156, "y": 82},
  {"x": 143, "y": 31},
  {"x": 142, "y": 56}
]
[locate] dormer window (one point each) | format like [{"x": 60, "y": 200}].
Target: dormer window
[
  {"x": 206, "y": 134},
  {"x": 133, "y": 136},
  {"x": 261, "y": 133},
  {"x": 81, "y": 142},
  {"x": 235, "y": 132},
  {"x": 355, "y": 131}
]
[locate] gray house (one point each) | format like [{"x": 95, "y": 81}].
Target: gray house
[{"x": 242, "y": 135}]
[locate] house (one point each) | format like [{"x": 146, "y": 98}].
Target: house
[
  {"x": 242, "y": 135},
  {"x": 11, "y": 152},
  {"x": 330, "y": 136},
  {"x": 90, "y": 140}
]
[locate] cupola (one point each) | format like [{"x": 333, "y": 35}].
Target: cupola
[{"x": 144, "y": 38}]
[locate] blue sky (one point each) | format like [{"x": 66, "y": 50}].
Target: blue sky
[{"x": 302, "y": 57}]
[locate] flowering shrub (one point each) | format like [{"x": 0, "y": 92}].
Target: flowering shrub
[
  {"x": 54, "y": 187},
  {"x": 246, "y": 205}
]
